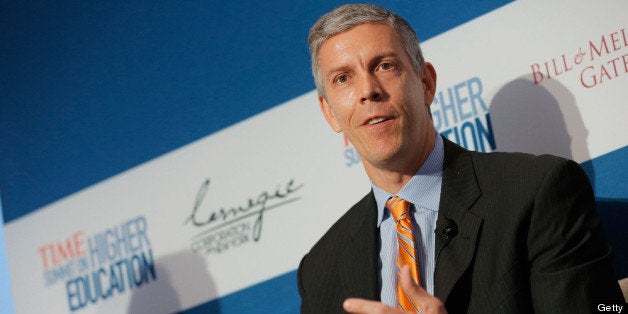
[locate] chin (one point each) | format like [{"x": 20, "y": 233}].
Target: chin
[{"x": 384, "y": 158}]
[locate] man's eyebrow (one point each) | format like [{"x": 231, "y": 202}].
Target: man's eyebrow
[
  {"x": 384, "y": 55},
  {"x": 338, "y": 69},
  {"x": 374, "y": 60}
]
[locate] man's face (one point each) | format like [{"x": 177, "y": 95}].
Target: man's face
[{"x": 374, "y": 95}]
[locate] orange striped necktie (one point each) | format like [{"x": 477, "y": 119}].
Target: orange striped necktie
[{"x": 400, "y": 210}]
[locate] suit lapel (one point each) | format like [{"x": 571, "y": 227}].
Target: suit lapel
[
  {"x": 358, "y": 263},
  {"x": 459, "y": 192}
]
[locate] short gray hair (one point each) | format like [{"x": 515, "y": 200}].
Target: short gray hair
[{"x": 348, "y": 16}]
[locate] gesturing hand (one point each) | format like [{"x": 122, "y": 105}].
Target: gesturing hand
[{"x": 427, "y": 303}]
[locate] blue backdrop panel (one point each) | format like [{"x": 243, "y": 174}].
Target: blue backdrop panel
[{"x": 608, "y": 175}]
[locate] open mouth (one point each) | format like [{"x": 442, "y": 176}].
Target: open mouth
[{"x": 376, "y": 120}]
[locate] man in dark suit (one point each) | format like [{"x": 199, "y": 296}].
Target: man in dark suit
[{"x": 499, "y": 232}]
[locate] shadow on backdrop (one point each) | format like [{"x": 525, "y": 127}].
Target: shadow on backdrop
[
  {"x": 544, "y": 119},
  {"x": 182, "y": 278}
]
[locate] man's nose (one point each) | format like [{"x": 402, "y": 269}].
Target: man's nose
[{"x": 370, "y": 89}]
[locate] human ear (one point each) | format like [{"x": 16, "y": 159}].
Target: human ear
[
  {"x": 329, "y": 114},
  {"x": 428, "y": 78}
]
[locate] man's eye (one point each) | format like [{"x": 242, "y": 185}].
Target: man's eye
[
  {"x": 386, "y": 66},
  {"x": 341, "y": 79}
]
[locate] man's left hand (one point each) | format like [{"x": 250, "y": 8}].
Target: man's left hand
[{"x": 427, "y": 303}]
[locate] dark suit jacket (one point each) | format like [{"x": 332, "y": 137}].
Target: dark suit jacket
[{"x": 528, "y": 241}]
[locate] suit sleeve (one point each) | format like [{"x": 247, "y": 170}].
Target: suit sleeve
[
  {"x": 570, "y": 260},
  {"x": 305, "y": 309}
]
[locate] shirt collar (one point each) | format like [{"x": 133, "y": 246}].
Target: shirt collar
[{"x": 423, "y": 189}]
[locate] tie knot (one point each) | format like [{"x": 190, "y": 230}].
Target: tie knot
[{"x": 398, "y": 207}]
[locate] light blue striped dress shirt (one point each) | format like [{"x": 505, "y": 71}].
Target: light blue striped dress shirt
[{"x": 423, "y": 191}]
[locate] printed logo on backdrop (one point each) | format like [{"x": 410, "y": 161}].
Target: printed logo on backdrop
[
  {"x": 223, "y": 227},
  {"x": 351, "y": 154},
  {"x": 97, "y": 267},
  {"x": 460, "y": 114},
  {"x": 599, "y": 60}
]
